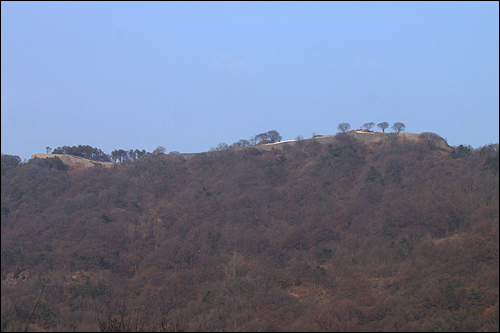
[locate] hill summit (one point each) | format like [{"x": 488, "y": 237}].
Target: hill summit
[
  {"x": 73, "y": 160},
  {"x": 360, "y": 134}
]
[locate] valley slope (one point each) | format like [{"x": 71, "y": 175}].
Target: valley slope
[{"x": 334, "y": 234}]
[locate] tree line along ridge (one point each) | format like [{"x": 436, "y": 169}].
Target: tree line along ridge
[{"x": 272, "y": 136}]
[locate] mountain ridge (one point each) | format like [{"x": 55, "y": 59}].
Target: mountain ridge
[{"x": 361, "y": 135}]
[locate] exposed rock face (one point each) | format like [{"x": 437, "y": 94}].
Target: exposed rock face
[{"x": 74, "y": 160}]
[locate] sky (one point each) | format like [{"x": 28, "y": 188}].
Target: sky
[{"x": 190, "y": 75}]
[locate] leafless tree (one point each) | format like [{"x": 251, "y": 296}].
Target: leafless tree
[
  {"x": 220, "y": 147},
  {"x": 260, "y": 137},
  {"x": 343, "y": 127},
  {"x": 398, "y": 127},
  {"x": 383, "y": 126},
  {"x": 369, "y": 125},
  {"x": 159, "y": 150},
  {"x": 242, "y": 143},
  {"x": 274, "y": 136}
]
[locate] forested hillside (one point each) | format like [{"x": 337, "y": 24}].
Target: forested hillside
[{"x": 348, "y": 236}]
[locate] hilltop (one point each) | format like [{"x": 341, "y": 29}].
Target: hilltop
[
  {"x": 367, "y": 136},
  {"x": 325, "y": 234},
  {"x": 361, "y": 135},
  {"x": 73, "y": 160}
]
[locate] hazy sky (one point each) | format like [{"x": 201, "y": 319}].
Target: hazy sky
[{"x": 188, "y": 76}]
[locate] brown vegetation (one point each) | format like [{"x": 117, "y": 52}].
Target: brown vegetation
[{"x": 348, "y": 235}]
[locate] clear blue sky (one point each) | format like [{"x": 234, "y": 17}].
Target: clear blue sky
[{"x": 188, "y": 76}]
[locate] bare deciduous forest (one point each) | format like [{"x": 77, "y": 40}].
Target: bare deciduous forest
[{"x": 349, "y": 236}]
